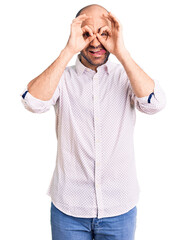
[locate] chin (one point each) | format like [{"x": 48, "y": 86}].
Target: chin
[{"x": 95, "y": 61}]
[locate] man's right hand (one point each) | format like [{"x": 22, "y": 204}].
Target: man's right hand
[
  {"x": 44, "y": 85},
  {"x": 80, "y": 37}
]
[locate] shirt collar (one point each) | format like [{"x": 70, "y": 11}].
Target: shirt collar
[{"x": 80, "y": 68}]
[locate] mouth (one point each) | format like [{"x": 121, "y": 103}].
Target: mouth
[{"x": 98, "y": 53}]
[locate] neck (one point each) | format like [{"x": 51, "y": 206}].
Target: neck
[{"x": 87, "y": 64}]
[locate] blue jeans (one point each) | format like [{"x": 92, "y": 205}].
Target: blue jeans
[{"x": 65, "y": 227}]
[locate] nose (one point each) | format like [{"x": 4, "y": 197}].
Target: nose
[{"x": 95, "y": 42}]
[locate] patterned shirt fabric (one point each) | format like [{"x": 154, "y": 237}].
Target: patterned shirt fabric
[{"x": 95, "y": 172}]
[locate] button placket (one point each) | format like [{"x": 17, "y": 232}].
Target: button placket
[{"x": 97, "y": 142}]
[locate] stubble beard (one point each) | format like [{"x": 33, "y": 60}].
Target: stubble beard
[{"x": 91, "y": 62}]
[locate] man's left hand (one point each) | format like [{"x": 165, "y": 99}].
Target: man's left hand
[{"x": 111, "y": 38}]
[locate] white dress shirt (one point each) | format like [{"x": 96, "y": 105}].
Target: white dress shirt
[{"x": 95, "y": 173}]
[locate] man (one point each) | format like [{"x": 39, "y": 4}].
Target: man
[{"x": 94, "y": 188}]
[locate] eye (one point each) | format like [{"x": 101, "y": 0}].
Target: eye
[
  {"x": 86, "y": 34},
  {"x": 104, "y": 34}
]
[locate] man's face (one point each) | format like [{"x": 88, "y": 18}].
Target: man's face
[{"x": 95, "y": 54}]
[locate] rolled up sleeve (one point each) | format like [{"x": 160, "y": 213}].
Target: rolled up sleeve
[
  {"x": 152, "y": 103},
  {"x": 36, "y": 105}
]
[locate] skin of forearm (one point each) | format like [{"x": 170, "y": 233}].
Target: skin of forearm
[
  {"x": 44, "y": 85},
  {"x": 141, "y": 83}
]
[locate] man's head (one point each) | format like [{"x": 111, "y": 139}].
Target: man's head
[{"x": 94, "y": 54}]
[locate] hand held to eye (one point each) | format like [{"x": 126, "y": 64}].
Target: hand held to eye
[
  {"x": 114, "y": 42},
  {"x": 80, "y": 37}
]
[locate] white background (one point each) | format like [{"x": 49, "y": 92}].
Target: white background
[{"x": 32, "y": 35}]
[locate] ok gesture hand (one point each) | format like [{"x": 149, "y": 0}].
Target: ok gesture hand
[
  {"x": 114, "y": 41},
  {"x": 77, "y": 40}
]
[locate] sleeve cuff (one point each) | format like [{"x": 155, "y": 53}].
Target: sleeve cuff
[
  {"x": 142, "y": 99},
  {"x": 152, "y": 103},
  {"x": 36, "y": 105},
  {"x": 148, "y": 99},
  {"x": 24, "y": 94}
]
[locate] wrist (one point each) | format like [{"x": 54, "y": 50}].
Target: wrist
[
  {"x": 67, "y": 52},
  {"x": 65, "y": 56},
  {"x": 123, "y": 54}
]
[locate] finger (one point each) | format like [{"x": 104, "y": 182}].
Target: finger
[
  {"x": 81, "y": 18},
  {"x": 107, "y": 16},
  {"x": 105, "y": 29},
  {"x": 87, "y": 29},
  {"x": 101, "y": 39},
  {"x": 77, "y": 22},
  {"x": 115, "y": 20},
  {"x": 90, "y": 39}
]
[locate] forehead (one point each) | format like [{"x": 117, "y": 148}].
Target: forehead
[{"x": 97, "y": 21}]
